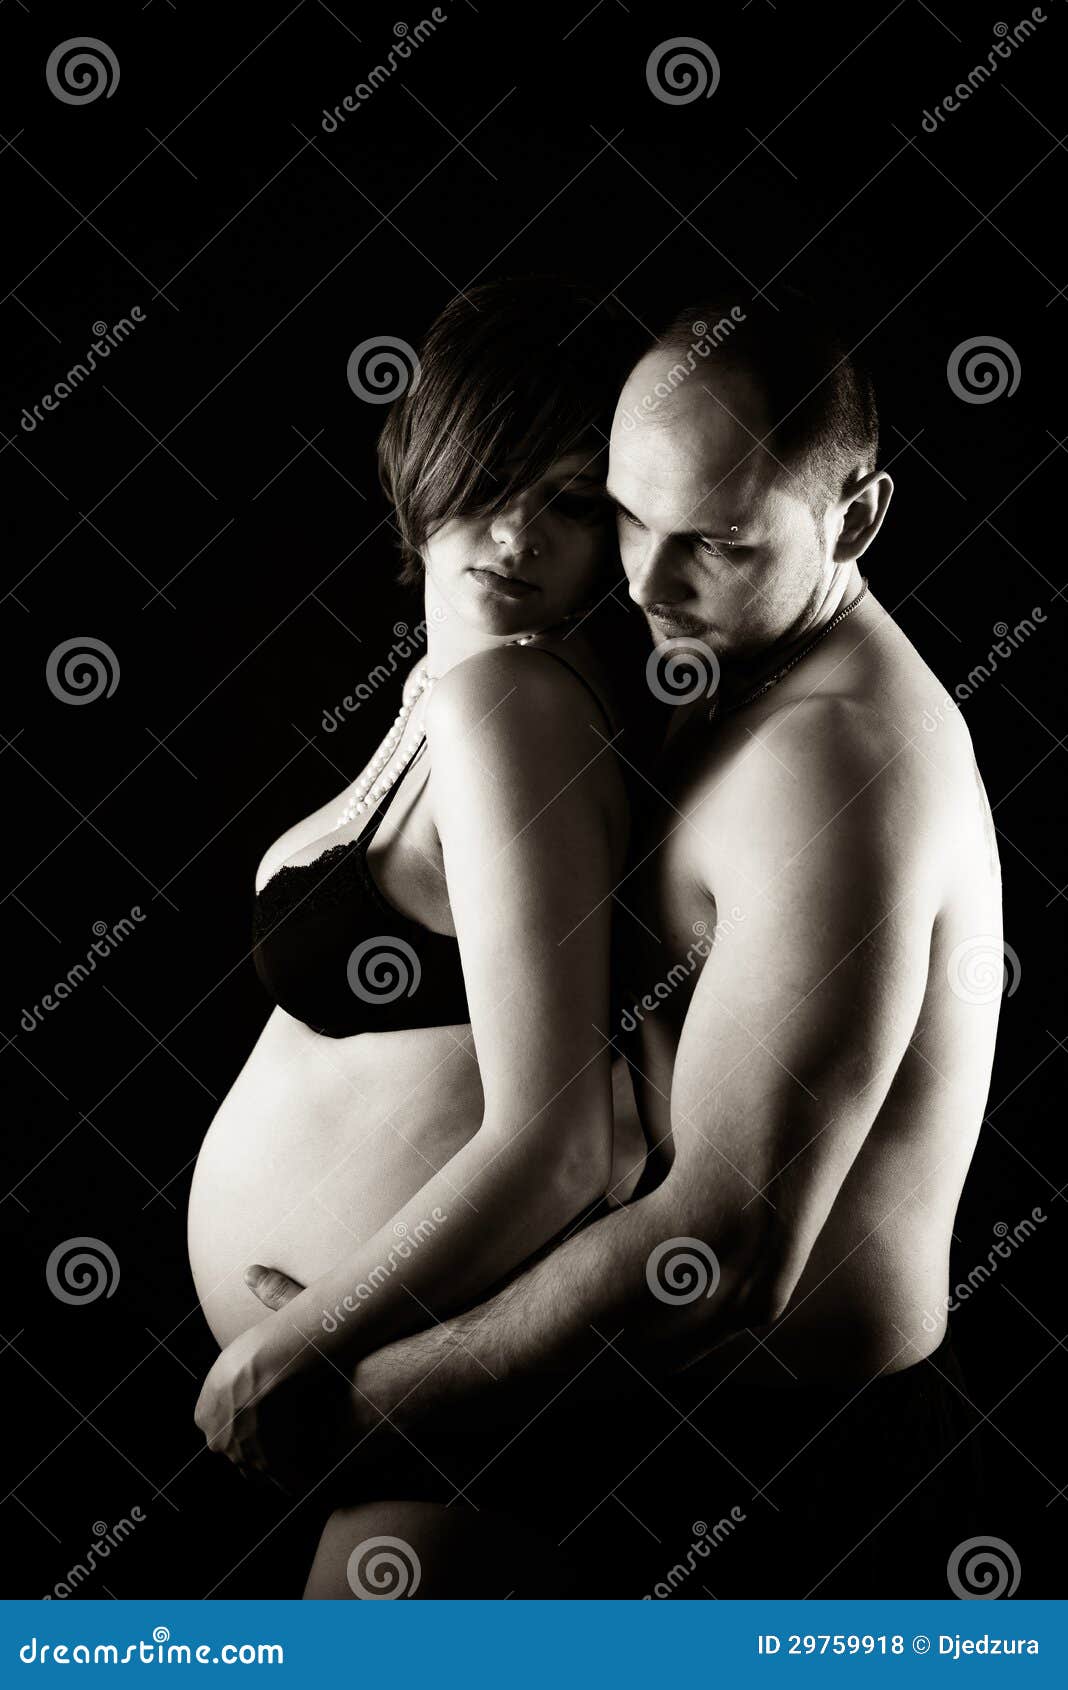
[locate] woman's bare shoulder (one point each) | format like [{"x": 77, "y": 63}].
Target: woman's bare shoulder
[{"x": 546, "y": 680}]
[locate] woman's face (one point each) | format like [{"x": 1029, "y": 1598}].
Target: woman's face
[{"x": 535, "y": 562}]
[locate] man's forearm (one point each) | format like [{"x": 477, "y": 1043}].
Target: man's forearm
[{"x": 633, "y": 1280}]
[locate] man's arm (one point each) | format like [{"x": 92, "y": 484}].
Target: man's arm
[{"x": 796, "y": 1028}]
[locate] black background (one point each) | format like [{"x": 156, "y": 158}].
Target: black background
[{"x": 206, "y": 504}]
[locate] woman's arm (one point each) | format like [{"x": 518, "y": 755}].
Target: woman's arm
[{"x": 531, "y": 814}]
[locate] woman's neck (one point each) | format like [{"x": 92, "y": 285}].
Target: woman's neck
[{"x": 449, "y": 639}]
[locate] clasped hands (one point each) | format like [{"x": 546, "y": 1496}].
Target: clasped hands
[{"x": 275, "y": 1404}]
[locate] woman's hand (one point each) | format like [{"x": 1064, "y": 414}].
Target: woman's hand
[
  {"x": 248, "y": 1370},
  {"x": 300, "y": 1421}
]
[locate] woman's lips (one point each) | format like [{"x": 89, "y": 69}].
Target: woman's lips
[{"x": 509, "y": 586}]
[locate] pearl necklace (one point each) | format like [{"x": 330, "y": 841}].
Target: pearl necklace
[{"x": 370, "y": 788}]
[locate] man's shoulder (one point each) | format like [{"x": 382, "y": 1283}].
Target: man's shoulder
[
  {"x": 832, "y": 770},
  {"x": 826, "y": 738}
]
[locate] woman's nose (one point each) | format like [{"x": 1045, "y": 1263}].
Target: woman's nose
[{"x": 518, "y": 526}]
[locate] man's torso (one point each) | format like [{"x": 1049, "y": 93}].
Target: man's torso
[{"x": 873, "y": 1292}]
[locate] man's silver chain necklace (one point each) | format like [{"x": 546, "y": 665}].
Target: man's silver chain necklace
[{"x": 718, "y": 710}]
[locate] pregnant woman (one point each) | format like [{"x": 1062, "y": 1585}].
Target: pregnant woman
[{"x": 431, "y": 1101}]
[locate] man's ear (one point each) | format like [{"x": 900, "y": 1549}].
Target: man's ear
[{"x": 861, "y": 513}]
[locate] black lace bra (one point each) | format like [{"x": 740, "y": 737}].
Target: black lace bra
[{"x": 332, "y": 952}]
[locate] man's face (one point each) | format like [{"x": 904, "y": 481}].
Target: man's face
[{"x": 719, "y": 542}]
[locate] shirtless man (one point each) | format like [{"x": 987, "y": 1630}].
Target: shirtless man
[{"x": 812, "y": 1076}]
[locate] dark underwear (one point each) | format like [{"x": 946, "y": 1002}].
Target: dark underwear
[{"x": 691, "y": 1491}]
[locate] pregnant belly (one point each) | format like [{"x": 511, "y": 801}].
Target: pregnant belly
[{"x": 317, "y": 1145}]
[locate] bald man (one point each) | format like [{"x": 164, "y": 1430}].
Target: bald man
[{"x": 816, "y": 879}]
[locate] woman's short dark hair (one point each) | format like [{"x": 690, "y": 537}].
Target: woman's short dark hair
[{"x": 513, "y": 375}]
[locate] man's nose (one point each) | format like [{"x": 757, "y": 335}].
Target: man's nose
[{"x": 655, "y": 577}]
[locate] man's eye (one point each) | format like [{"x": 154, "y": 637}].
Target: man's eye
[
  {"x": 625, "y": 516},
  {"x": 730, "y": 552}
]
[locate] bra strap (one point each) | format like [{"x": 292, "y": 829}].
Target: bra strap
[
  {"x": 375, "y": 822},
  {"x": 584, "y": 680}
]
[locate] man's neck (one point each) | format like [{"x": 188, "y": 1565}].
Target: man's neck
[{"x": 739, "y": 677}]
